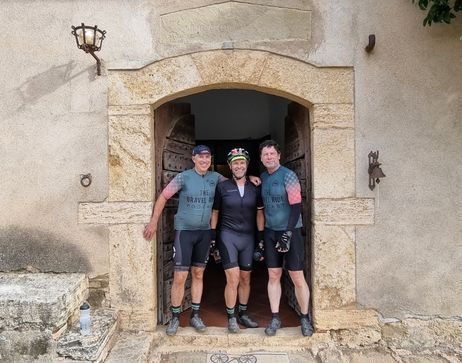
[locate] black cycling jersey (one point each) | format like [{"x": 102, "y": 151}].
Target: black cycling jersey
[{"x": 237, "y": 213}]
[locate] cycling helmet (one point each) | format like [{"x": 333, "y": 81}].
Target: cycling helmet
[{"x": 238, "y": 154}]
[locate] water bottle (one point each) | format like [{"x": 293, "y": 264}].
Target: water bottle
[{"x": 85, "y": 319}]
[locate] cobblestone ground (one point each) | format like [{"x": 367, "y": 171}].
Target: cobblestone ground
[{"x": 329, "y": 355}]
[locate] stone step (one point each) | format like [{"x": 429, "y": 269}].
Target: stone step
[
  {"x": 74, "y": 347},
  {"x": 39, "y": 301},
  {"x": 131, "y": 347},
  {"x": 216, "y": 339}
]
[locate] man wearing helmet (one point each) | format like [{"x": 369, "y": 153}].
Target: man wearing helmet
[
  {"x": 284, "y": 244},
  {"x": 240, "y": 207}
]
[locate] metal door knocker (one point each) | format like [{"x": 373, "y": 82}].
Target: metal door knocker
[{"x": 85, "y": 180}]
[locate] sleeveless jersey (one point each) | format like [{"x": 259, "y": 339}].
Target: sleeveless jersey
[
  {"x": 237, "y": 213},
  {"x": 279, "y": 190},
  {"x": 196, "y": 194}
]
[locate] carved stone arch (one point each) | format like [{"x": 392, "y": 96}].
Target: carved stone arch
[{"x": 327, "y": 92}]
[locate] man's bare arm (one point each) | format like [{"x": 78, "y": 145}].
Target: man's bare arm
[{"x": 151, "y": 228}]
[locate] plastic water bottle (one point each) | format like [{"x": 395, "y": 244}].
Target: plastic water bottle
[{"x": 85, "y": 319}]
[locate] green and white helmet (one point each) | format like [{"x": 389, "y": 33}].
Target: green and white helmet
[{"x": 238, "y": 154}]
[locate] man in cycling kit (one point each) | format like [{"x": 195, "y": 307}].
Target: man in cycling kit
[
  {"x": 239, "y": 204},
  {"x": 284, "y": 243},
  {"x": 196, "y": 189}
]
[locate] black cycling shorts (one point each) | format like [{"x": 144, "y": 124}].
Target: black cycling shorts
[
  {"x": 236, "y": 249},
  {"x": 294, "y": 259},
  {"x": 191, "y": 248}
]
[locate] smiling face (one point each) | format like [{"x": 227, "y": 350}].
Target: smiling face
[
  {"x": 270, "y": 158},
  {"x": 202, "y": 162},
  {"x": 238, "y": 168}
]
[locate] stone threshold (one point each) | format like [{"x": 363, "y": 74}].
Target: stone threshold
[{"x": 218, "y": 338}]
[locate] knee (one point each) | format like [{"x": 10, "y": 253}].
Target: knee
[
  {"x": 244, "y": 280},
  {"x": 179, "y": 279},
  {"x": 197, "y": 273},
  {"x": 274, "y": 276},
  {"x": 233, "y": 281},
  {"x": 298, "y": 279}
]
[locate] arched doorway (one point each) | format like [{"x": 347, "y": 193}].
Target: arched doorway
[
  {"x": 328, "y": 95},
  {"x": 225, "y": 119}
]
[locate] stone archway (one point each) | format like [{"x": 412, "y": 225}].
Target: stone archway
[{"x": 326, "y": 92}]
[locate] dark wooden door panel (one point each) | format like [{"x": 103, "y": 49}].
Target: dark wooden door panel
[
  {"x": 174, "y": 140},
  {"x": 297, "y": 158}
]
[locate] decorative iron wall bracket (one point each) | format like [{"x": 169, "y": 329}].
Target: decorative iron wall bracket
[{"x": 375, "y": 172}]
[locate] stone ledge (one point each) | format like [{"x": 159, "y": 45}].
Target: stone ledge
[
  {"x": 115, "y": 212},
  {"x": 39, "y": 301},
  {"x": 94, "y": 347},
  {"x": 349, "y": 211},
  {"x": 130, "y": 110},
  {"x": 325, "y": 320}
]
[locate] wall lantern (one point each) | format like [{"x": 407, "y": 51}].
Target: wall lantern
[
  {"x": 375, "y": 172},
  {"x": 90, "y": 40}
]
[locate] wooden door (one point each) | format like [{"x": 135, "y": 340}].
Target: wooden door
[
  {"x": 174, "y": 139},
  {"x": 297, "y": 157}
]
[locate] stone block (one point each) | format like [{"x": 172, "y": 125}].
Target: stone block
[
  {"x": 372, "y": 355},
  {"x": 93, "y": 347},
  {"x": 136, "y": 320},
  {"x": 317, "y": 85},
  {"x": 230, "y": 67},
  {"x": 154, "y": 82},
  {"x": 39, "y": 301},
  {"x": 345, "y": 319},
  {"x": 25, "y": 346},
  {"x": 349, "y": 211},
  {"x": 125, "y": 110},
  {"x": 430, "y": 332},
  {"x": 115, "y": 212},
  {"x": 333, "y": 115},
  {"x": 131, "y": 157},
  {"x": 131, "y": 347},
  {"x": 132, "y": 283},
  {"x": 353, "y": 338},
  {"x": 333, "y": 165},
  {"x": 233, "y": 20},
  {"x": 334, "y": 266}
]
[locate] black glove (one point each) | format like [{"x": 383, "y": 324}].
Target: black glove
[
  {"x": 283, "y": 244},
  {"x": 213, "y": 246},
  {"x": 258, "y": 254}
]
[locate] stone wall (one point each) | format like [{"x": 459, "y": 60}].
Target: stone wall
[{"x": 55, "y": 127}]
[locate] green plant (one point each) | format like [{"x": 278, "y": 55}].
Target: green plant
[{"x": 439, "y": 11}]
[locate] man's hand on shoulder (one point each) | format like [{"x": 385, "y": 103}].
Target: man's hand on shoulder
[{"x": 255, "y": 180}]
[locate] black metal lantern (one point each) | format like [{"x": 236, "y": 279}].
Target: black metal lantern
[{"x": 90, "y": 40}]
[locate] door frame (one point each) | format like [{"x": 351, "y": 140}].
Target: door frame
[{"x": 327, "y": 92}]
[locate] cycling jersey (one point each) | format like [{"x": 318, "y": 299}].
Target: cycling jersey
[
  {"x": 237, "y": 213},
  {"x": 279, "y": 190},
  {"x": 196, "y": 195}
]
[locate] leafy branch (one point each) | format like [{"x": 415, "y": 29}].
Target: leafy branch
[{"x": 439, "y": 11}]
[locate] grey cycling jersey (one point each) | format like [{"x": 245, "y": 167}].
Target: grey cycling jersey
[{"x": 196, "y": 195}]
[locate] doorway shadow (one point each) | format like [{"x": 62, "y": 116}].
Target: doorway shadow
[{"x": 213, "y": 303}]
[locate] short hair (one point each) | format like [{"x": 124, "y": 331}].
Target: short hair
[{"x": 269, "y": 143}]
